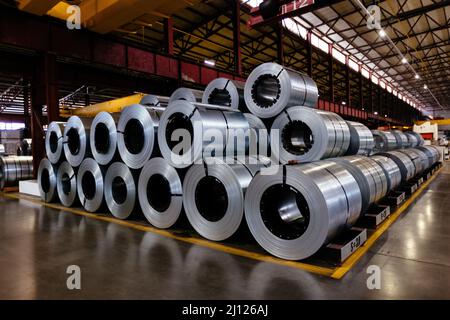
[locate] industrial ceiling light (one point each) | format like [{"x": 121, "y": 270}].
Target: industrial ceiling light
[
  {"x": 417, "y": 76},
  {"x": 404, "y": 61},
  {"x": 375, "y": 113},
  {"x": 385, "y": 115},
  {"x": 344, "y": 103},
  {"x": 425, "y": 86},
  {"x": 382, "y": 33},
  {"x": 210, "y": 63}
]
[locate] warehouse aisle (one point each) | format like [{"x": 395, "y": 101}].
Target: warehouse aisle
[{"x": 39, "y": 243}]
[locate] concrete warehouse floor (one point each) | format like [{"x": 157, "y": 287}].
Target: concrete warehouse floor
[{"x": 37, "y": 244}]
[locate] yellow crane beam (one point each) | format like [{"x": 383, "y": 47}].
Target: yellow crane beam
[
  {"x": 38, "y": 7},
  {"x": 441, "y": 122}
]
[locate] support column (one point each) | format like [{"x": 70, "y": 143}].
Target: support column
[
  {"x": 331, "y": 74},
  {"x": 280, "y": 49},
  {"x": 168, "y": 35},
  {"x": 347, "y": 83},
  {"x": 26, "y": 107},
  {"x": 370, "y": 93},
  {"x": 309, "y": 63},
  {"x": 237, "y": 37},
  {"x": 360, "y": 88}
]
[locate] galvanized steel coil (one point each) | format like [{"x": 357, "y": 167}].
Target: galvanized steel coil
[
  {"x": 306, "y": 134},
  {"x": 24, "y": 147},
  {"x": 14, "y": 169},
  {"x": 184, "y": 120},
  {"x": 300, "y": 208},
  {"x": 415, "y": 139},
  {"x": 186, "y": 94},
  {"x": 384, "y": 141},
  {"x": 2, "y": 150},
  {"x": 259, "y": 139},
  {"x": 103, "y": 137},
  {"x": 404, "y": 163},
  {"x": 160, "y": 193},
  {"x": 391, "y": 170},
  {"x": 151, "y": 100},
  {"x": 432, "y": 154},
  {"x": 66, "y": 184},
  {"x": 271, "y": 88},
  {"x": 426, "y": 163},
  {"x": 47, "y": 181},
  {"x": 76, "y": 140},
  {"x": 402, "y": 139},
  {"x": 90, "y": 185},
  {"x": 54, "y": 138},
  {"x": 361, "y": 139},
  {"x": 225, "y": 92},
  {"x": 213, "y": 195},
  {"x": 417, "y": 159},
  {"x": 137, "y": 135},
  {"x": 120, "y": 190}
]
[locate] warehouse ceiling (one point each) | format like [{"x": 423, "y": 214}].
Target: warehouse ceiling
[{"x": 418, "y": 29}]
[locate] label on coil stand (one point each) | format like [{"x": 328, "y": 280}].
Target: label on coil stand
[
  {"x": 353, "y": 245},
  {"x": 420, "y": 181},
  {"x": 383, "y": 215}
]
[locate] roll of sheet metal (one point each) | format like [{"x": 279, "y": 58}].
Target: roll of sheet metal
[
  {"x": 90, "y": 185},
  {"x": 391, "y": 170},
  {"x": 120, "y": 190},
  {"x": 424, "y": 157},
  {"x": 47, "y": 181},
  {"x": 225, "y": 92},
  {"x": 307, "y": 134},
  {"x": 432, "y": 154},
  {"x": 160, "y": 193},
  {"x": 103, "y": 137},
  {"x": 76, "y": 140},
  {"x": 414, "y": 138},
  {"x": 271, "y": 88},
  {"x": 361, "y": 139},
  {"x": 259, "y": 139},
  {"x": 369, "y": 175},
  {"x": 208, "y": 130},
  {"x": 137, "y": 134},
  {"x": 2, "y": 150},
  {"x": 296, "y": 211},
  {"x": 24, "y": 147},
  {"x": 54, "y": 146},
  {"x": 14, "y": 169},
  {"x": 417, "y": 159},
  {"x": 384, "y": 141},
  {"x": 151, "y": 100},
  {"x": 402, "y": 139},
  {"x": 186, "y": 94},
  {"x": 404, "y": 163},
  {"x": 66, "y": 184},
  {"x": 213, "y": 196}
]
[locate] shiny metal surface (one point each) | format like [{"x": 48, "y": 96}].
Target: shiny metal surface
[
  {"x": 210, "y": 130},
  {"x": 326, "y": 196},
  {"x": 66, "y": 184},
  {"x": 76, "y": 140},
  {"x": 90, "y": 185},
  {"x": 54, "y": 139},
  {"x": 160, "y": 193},
  {"x": 405, "y": 164},
  {"x": 186, "y": 94},
  {"x": 213, "y": 195},
  {"x": 416, "y": 158},
  {"x": 2, "y": 150},
  {"x": 137, "y": 134},
  {"x": 151, "y": 100},
  {"x": 307, "y": 134},
  {"x": 259, "y": 138},
  {"x": 24, "y": 147},
  {"x": 13, "y": 169},
  {"x": 432, "y": 154},
  {"x": 402, "y": 139},
  {"x": 120, "y": 190},
  {"x": 415, "y": 139},
  {"x": 361, "y": 139},
  {"x": 103, "y": 137},
  {"x": 384, "y": 141},
  {"x": 225, "y": 92},
  {"x": 47, "y": 181},
  {"x": 271, "y": 88},
  {"x": 391, "y": 170}
]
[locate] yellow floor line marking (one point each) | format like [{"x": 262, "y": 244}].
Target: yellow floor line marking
[
  {"x": 336, "y": 273},
  {"x": 192, "y": 240},
  {"x": 359, "y": 253}
]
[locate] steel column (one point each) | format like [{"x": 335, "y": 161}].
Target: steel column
[
  {"x": 168, "y": 35},
  {"x": 331, "y": 74},
  {"x": 236, "y": 20},
  {"x": 279, "y": 39},
  {"x": 309, "y": 62}
]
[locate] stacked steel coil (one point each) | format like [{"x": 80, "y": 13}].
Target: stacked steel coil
[
  {"x": 13, "y": 169},
  {"x": 54, "y": 138},
  {"x": 76, "y": 140},
  {"x": 225, "y": 92},
  {"x": 402, "y": 139},
  {"x": 414, "y": 139},
  {"x": 186, "y": 94},
  {"x": 24, "y": 147},
  {"x": 361, "y": 139},
  {"x": 384, "y": 141},
  {"x": 47, "y": 181}
]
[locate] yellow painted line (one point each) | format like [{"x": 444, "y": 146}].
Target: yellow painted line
[
  {"x": 192, "y": 240},
  {"x": 359, "y": 253}
]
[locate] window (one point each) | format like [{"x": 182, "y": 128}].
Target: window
[
  {"x": 352, "y": 64},
  {"x": 374, "y": 79},
  {"x": 338, "y": 55},
  {"x": 11, "y": 126},
  {"x": 365, "y": 73}
]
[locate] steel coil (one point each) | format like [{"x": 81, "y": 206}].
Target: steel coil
[
  {"x": 47, "y": 181},
  {"x": 384, "y": 141},
  {"x": 198, "y": 123},
  {"x": 432, "y": 154},
  {"x": 24, "y": 147},
  {"x": 213, "y": 196},
  {"x": 271, "y": 88},
  {"x": 402, "y": 139},
  {"x": 225, "y": 92},
  {"x": 306, "y": 134},
  {"x": 426, "y": 163},
  {"x": 186, "y": 94},
  {"x": 151, "y": 100},
  {"x": 137, "y": 134},
  {"x": 404, "y": 163},
  {"x": 54, "y": 146},
  {"x": 297, "y": 210},
  {"x": 76, "y": 140},
  {"x": 103, "y": 137},
  {"x": 90, "y": 185},
  {"x": 66, "y": 184},
  {"x": 14, "y": 169},
  {"x": 417, "y": 159},
  {"x": 361, "y": 139},
  {"x": 369, "y": 175},
  {"x": 160, "y": 193},
  {"x": 415, "y": 139},
  {"x": 391, "y": 170},
  {"x": 120, "y": 190},
  {"x": 259, "y": 139},
  {"x": 2, "y": 150}
]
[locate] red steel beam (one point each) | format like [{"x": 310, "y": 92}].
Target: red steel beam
[
  {"x": 168, "y": 35},
  {"x": 237, "y": 37}
]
